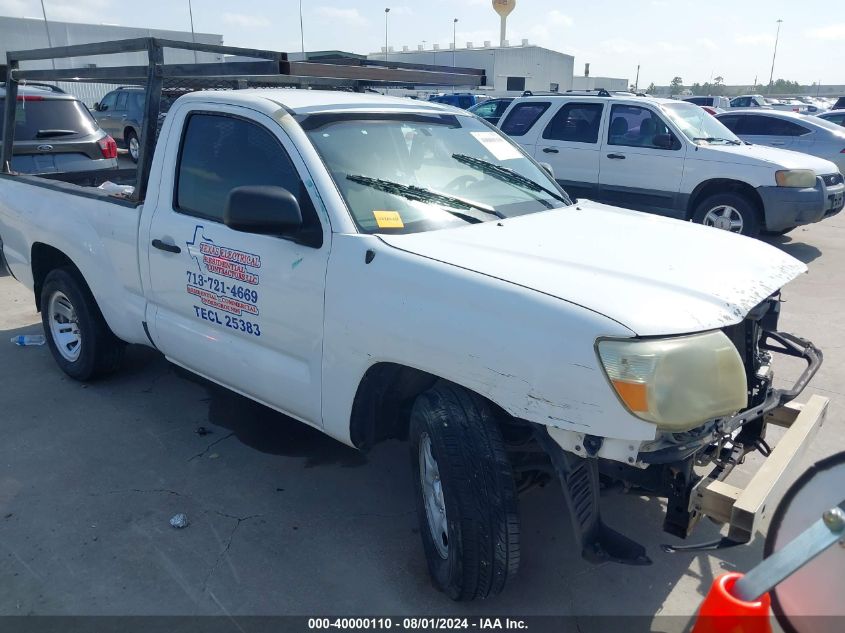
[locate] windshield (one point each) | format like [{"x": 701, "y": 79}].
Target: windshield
[
  {"x": 699, "y": 126},
  {"x": 406, "y": 173}
]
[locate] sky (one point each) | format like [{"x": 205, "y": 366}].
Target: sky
[{"x": 696, "y": 40}]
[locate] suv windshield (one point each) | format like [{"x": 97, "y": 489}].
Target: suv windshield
[
  {"x": 40, "y": 119},
  {"x": 406, "y": 173},
  {"x": 699, "y": 126}
]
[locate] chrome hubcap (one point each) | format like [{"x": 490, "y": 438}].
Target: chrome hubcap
[
  {"x": 432, "y": 490},
  {"x": 724, "y": 217},
  {"x": 64, "y": 327},
  {"x": 134, "y": 147}
]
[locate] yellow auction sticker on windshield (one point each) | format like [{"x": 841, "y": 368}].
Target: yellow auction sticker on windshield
[{"x": 389, "y": 220}]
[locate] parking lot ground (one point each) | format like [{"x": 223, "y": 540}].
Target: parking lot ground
[{"x": 284, "y": 520}]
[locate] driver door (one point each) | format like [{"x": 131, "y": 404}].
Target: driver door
[{"x": 242, "y": 309}]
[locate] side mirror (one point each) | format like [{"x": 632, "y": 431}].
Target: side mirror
[
  {"x": 663, "y": 141},
  {"x": 97, "y": 106},
  {"x": 263, "y": 210}
]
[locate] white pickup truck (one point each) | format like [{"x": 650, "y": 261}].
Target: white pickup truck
[{"x": 386, "y": 268}]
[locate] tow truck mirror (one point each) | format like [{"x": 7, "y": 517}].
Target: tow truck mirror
[{"x": 264, "y": 210}]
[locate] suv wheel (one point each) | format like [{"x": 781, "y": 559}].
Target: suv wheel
[
  {"x": 133, "y": 145},
  {"x": 730, "y": 212},
  {"x": 466, "y": 497}
]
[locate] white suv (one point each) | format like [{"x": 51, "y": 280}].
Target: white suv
[{"x": 672, "y": 158}]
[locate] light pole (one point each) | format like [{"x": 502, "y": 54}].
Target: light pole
[
  {"x": 193, "y": 36},
  {"x": 454, "y": 39},
  {"x": 772, "y": 74},
  {"x": 301, "y": 31},
  {"x": 47, "y": 28},
  {"x": 386, "y": 48}
]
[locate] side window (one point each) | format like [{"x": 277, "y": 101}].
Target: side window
[
  {"x": 121, "y": 101},
  {"x": 839, "y": 119},
  {"x": 634, "y": 126},
  {"x": 523, "y": 116},
  {"x": 501, "y": 106},
  {"x": 108, "y": 101},
  {"x": 741, "y": 102},
  {"x": 733, "y": 122},
  {"x": 219, "y": 153},
  {"x": 464, "y": 102},
  {"x": 486, "y": 109},
  {"x": 136, "y": 102},
  {"x": 576, "y": 122},
  {"x": 760, "y": 125}
]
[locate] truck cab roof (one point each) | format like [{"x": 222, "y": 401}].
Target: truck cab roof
[{"x": 298, "y": 101}]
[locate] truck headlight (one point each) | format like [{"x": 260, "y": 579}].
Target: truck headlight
[
  {"x": 678, "y": 383},
  {"x": 798, "y": 178}
]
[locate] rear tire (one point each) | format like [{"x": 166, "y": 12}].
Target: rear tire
[
  {"x": 133, "y": 145},
  {"x": 729, "y": 211},
  {"x": 466, "y": 497},
  {"x": 81, "y": 342}
]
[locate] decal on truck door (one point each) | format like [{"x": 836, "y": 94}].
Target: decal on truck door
[{"x": 223, "y": 280}]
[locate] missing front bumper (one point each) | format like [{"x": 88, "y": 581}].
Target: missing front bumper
[{"x": 747, "y": 509}]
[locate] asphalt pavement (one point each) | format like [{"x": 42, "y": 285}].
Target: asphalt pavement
[{"x": 283, "y": 520}]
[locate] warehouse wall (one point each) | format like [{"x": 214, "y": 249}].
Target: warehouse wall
[
  {"x": 28, "y": 33},
  {"x": 540, "y": 67}
]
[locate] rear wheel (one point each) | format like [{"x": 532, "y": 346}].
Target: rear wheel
[
  {"x": 78, "y": 337},
  {"x": 133, "y": 145},
  {"x": 730, "y": 212},
  {"x": 466, "y": 498}
]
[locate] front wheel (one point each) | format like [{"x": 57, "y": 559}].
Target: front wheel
[
  {"x": 730, "y": 212},
  {"x": 466, "y": 497},
  {"x": 78, "y": 337}
]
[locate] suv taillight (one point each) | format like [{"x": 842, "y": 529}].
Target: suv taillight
[{"x": 108, "y": 147}]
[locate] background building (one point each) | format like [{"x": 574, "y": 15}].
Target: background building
[
  {"x": 510, "y": 69},
  {"x": 595, "y": 83},
  {"x": 17, "y": 34}
]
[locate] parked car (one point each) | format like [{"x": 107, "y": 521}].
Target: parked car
[
  {"x": 672, "y": 158},
  {"x": 463, "y": 100},
  {"x": 55, "y": 132},
  {"x": 814, "y": 106},
  {"x": 789, "y": 105},
  {"x": 287, "y": 249},
  {"x": 839, "y": 104},
  {"x": 750, "y": 101},
  {"x": 834, "y": 116},
  {"x": 120, "y": 113},
  {"x": 720, "y": 103},
  {"x": 787, "y": 130},
  {"x": 492, "y": 109}
]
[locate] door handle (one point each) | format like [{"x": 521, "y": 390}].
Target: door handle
[
  {"x": 550, "y": 150},
  {"x": 164, "y": 246},
  {"x": 616, "y": 156}
]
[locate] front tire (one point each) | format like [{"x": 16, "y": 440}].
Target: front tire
[
  {"x": 466, "y": 497},
  {"x": 81, "y": 342},
  {"x": 729, "y": 211}
]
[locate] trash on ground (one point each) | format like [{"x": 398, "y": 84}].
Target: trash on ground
[
  {"x": 201, "y": 431},
  {"x": 26, "y": 340},
  {"x": 114, "y": 189},
  {"x": 179, "y": 521}
]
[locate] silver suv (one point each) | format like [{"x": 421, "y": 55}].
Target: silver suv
[
  {"x": 121, "y": 114},
  {"x": 55, "y": 133}
]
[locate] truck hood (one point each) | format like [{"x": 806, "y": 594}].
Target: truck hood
[
  {"x": 654, "y": 275},
  {"x": 775, "y": 157}
]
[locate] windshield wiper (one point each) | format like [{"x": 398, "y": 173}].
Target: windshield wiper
[
  {"x": 51, "y": 133},
  {"x": 508, "y": 175},
  {"x": 420, "y": 194},
  {"x": 711, "y": 139}
]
